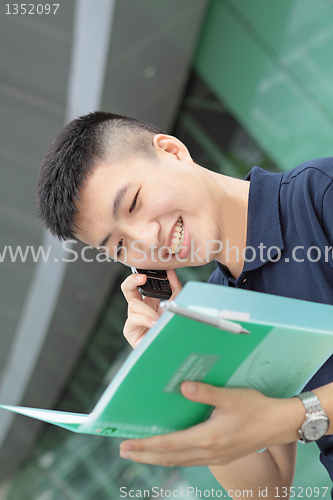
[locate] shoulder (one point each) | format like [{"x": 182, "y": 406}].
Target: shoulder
[
  {"x": 312, "y": 181},
  {"x": 311, "y": 173}
]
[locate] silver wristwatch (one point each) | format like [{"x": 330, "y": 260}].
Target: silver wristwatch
[{"x": 316, "y": 421}]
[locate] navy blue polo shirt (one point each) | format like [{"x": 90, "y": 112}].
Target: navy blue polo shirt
[{"x": 289, "y": 246}]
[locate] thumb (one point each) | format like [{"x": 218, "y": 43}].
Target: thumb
[
  {"x": 202, "y": 393},
  {"x": 176, "y": 285}
]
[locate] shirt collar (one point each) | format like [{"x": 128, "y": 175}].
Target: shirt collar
[{"x": 263, "y": 224}]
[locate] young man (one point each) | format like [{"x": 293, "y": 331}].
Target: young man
[{"x": 126, "y": 188}]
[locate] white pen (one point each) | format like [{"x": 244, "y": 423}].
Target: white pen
[{"x": 223, "y": 324}]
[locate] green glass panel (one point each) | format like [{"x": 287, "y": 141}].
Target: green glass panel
[
  {"x": 299, "y": 35},
  {"x": 240, "y": 64}
]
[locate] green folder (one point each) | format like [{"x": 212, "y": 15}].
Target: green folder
[{"x": 289, "y": 340}]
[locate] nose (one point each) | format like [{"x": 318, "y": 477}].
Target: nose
[{"x": 145, "y": 234}]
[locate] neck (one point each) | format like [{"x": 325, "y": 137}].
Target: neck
[{"x": 234, "y": 207}]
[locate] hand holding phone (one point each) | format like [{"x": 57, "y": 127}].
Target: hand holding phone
[
  {"x": 157, "y": 284},
  {"x": 143, "y": 313}
]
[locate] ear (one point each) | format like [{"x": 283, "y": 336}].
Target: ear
[{"x": 167, "y": 144}]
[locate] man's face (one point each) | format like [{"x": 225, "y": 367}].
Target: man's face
[{"x": 152, "y": 213}]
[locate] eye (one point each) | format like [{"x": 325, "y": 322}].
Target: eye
[
  {"x": 119, "y": 248},
  {"x": 134, "y": 202}
]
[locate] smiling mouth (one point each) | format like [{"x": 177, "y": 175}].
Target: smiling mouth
[{"x": 177, "y": 237}]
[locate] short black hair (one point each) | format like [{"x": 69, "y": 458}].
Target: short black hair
[{"x": 82, "y": 144}]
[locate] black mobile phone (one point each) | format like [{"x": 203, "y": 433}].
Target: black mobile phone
[{"x": 157, "y": 284}]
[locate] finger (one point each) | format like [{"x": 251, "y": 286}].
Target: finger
[
  {"x": 129, "y": 286},
  {"x": 188, "y": 458},
  {"x": 175, "y": 284},
  {"x": 174, "y": 441},
  {"x": 193, "y": 446},
  {"x": 203, "y": 393},
  {"x": 136, "y": 336},
  {"x": 135, "y": 320},
  {"x": 142, "y": 307},
  {"x": 135, "y": 326}
]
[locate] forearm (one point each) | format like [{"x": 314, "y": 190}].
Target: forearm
[{"x": 249, "y": 476}]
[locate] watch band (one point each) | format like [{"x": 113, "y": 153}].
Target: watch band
[
  {"x": 311, "y": 402},
  {"x": 314, "y": 414}
]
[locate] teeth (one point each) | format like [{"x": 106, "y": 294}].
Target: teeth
[{"x": 177, "y": 237}]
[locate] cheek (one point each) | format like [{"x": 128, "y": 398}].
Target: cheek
[{"x": 157, "y": 205}]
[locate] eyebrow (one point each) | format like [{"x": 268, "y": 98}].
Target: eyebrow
[{"x": 116, "y": 205}]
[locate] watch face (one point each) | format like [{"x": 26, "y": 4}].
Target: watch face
[{"x": 315, "y": 429}]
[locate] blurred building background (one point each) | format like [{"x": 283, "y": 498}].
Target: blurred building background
[{"x": 241, "y": 83}]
